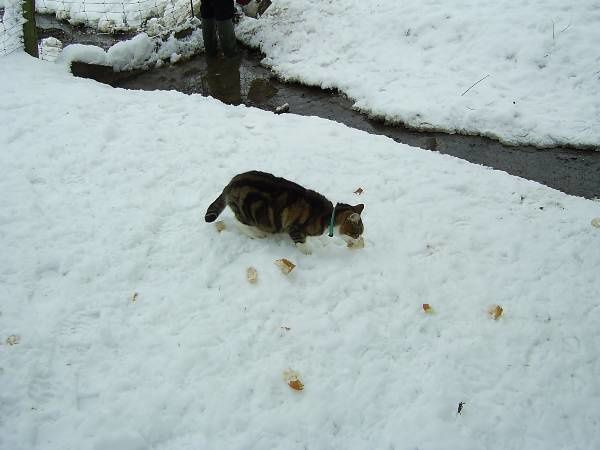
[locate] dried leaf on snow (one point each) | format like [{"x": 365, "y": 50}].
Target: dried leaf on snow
[
  {"x": 251, "y": 275},
  {"x": 13, "y": 339},
  {"x": 285, "y": 265},
  {"x": 356, "y": 243},
  {"x": 496, "y": 311},
  {"x": 296, "y": 384},
  {"x": 292, "y": 378}
]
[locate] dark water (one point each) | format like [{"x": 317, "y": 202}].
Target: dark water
[{"x": 245, "y": 80}]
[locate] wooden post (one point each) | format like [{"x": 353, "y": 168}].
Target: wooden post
[{"x": 29, "y": 29}]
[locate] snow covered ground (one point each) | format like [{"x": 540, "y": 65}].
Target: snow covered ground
[
  {"x": 521, "y": 72},
  {"x": 103, "y": 196},
  {"x": 414, "y": 61}
]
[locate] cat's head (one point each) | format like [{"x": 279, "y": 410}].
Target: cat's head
[{"x": 349, "y": 220}]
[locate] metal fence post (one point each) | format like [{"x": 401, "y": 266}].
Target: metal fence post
[{"x": 29, "y": 29}]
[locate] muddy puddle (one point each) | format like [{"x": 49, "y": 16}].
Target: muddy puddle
[{"x": 245, "y": 80}]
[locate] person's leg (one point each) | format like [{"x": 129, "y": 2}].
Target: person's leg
[
  {"x": 209, "y": 32},
  {"x": 224, "y": 14}
]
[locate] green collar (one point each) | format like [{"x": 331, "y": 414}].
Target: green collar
[{"x": 331, "y": 221}]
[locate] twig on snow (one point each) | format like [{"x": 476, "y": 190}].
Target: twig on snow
[
  {"x": 565, "y": 28},
  {"x": 561, "y": 31},
  {"x": 474, "y": 84}
]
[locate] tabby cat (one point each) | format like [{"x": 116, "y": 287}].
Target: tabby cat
[{"x": 276, "y": 205}]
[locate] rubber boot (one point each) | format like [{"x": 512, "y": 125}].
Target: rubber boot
[
  {"x": 209, "y": 35},
  {"x": 227, "y": 37}
]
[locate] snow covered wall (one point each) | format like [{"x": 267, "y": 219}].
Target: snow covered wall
[{"x": 416, "y": 62}]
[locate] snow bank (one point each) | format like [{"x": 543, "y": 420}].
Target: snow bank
[
  {"x": 140, "y": 52},
  {"x": 126, "y": 55},
  {"x": 416, "y": 62},
  {"x": 106, "y": 197}
]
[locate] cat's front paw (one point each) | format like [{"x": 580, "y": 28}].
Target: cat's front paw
[{"x": 304, "y": 248}]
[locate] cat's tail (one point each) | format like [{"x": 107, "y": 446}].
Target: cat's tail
[{"x": 215, "y": 208}]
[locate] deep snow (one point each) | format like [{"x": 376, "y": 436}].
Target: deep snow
[
  {"x": 103, "y": 196},
  {"x": 414, "y": 61}
]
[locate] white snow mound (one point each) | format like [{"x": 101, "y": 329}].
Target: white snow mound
[{"x": 103, "y": 197}]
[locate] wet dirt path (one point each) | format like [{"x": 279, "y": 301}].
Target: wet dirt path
[{"x": 245, "y": 80}]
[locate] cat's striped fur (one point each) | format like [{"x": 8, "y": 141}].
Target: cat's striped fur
[{"x": 276, "y": 205}]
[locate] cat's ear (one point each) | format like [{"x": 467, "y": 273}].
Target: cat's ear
[
  {"x": 354, "y": 218},
  {"x": 358, "y": 208}
]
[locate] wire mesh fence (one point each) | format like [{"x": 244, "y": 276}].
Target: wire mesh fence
[
  {"x": 11, "y": 29},
  {"x": 103, "y": 16},
  {"x": 120, "y": 15}
]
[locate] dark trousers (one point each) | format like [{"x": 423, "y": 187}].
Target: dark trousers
[{"x": 216, "y": 9}]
